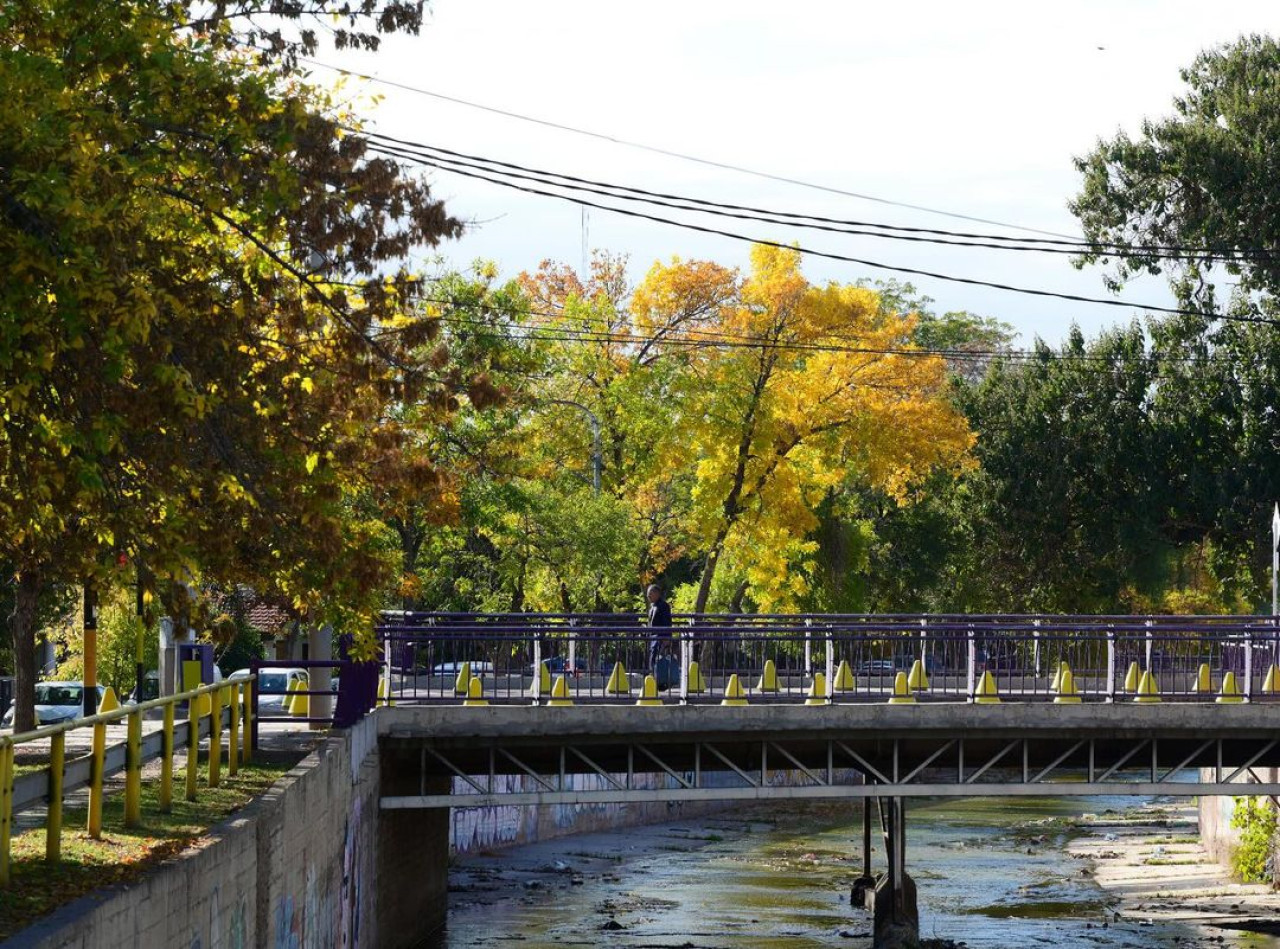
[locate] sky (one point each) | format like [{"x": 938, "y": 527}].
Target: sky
[{"x": 974, "y": 109}]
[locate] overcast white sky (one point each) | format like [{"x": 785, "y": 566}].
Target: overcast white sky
[{"x": 973, "y": 108}]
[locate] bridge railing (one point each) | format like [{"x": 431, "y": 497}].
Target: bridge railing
[{"x": 519, "y": 658}]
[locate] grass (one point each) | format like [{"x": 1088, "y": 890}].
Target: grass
[{"x": 122, "y": 854}]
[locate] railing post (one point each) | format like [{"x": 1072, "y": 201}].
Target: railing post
[
  {"x": 215, "y": 737},
  {"x": 686, "y": 657},
  {"x": 386, "y": 667},
  {"x": 53, "y": 819},
  {"x": 1248, "y": 665},
  {"x": 95, "y": 779},
  {"x": 133, "y": 771},
  {"x": 537, "y": 666},
  {"x": 924, "y": 643},
  {"x": 831, "y": 666},
  {"x": 1149, "y": 635},
  {"x": 250, "y": 718},
  {"x": 193, "y": 744},
  {"x": 6, "y": 809},
  {"x": 166, "y": 761},
  {"x": 573, "y": 649},
  {"x": 972, "y": 671},
  {"x": 1111, "y": 663},
  {"x": 808, "y": 648},
  {"x": 1035, "y": 646},
  {"x": 233, "y": 741}
]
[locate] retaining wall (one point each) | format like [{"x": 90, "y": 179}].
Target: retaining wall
[{"x": 1217, "y": 835}]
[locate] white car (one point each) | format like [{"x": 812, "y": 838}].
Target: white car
[
  {"x": 56, "y": 702},
  {"x": 272, "y": 685}
]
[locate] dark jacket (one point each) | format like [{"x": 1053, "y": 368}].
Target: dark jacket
[{"x": 659, "y": 614}]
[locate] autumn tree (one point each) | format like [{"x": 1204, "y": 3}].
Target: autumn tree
[{"x": 178, "y": 385}]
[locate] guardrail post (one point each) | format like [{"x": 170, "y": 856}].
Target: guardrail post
[
  {"x": 808, "y": 649},
  {"x": 1248, "y": 665},
  {"x": 95, "y": 779},
  {"x": 1149, "y": 634},
  {"x": 1111, "y": 664},
  {"x": 133, "y": 771},
  {"x": 386, "y": 667},
  {"x": 686, "y": 657},
  {"x": 53, "y": 819},
  {"x": 1035, "y": 646},
  {"x": 166, "y": 761},
  {"x": 193, "y": 744},
  {"x": 250, "y": 718},
  {"x": 537, "y": 666},
  {"x": 831, "y": 665},
  {"x": 573, "y": 650},
  {"x": 924, "y": 643},
  {"x": 6, "y": 809},
  {"x": 972, "y": 664},
  {"x": 215, "y": 738},
  {"x": 233, "y": 741}
]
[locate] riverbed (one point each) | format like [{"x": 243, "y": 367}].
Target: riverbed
[{"x": 991, "y": 875}]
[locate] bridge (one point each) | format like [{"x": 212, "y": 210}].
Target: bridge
[{"x": 511, "y": 710}]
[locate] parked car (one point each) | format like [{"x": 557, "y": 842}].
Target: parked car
[
  {"x": 453, "y": 668},
  {"x": 56, "y": 702},
  {"x": 559, "y": 665},
  {"x": 877, "y": 667},
  {"x": 272, "y": 686}
]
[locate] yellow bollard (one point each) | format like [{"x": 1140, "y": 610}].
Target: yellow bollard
[
  {"x": 1067, "y": 694},
  {"x": 6, "y": 809},
  {"x": 53, "y": 820},
  {"x": 166, "y": 761},
  {"x": 1271, "y": 685},
  {"x": 301, "y": 707},
  {"x": 475, "y": 693},
  {"x": 560, "y": 693},
  {"x": 734, "y": 694},
  {"x": 817, "y": 691},
  {"x": 987, "y": 694},
  {"x": 462, "y": 684},
  {"x": 544, "y": 681},
  {"x": 110, "y": 701},
  {"x": 844, "y": 677},
  {"x": 233, "y": 736},
  {"x": 1231, "y": 694},
  {"x": 193, "y": 744},
  {"x": 918, "y": 680},
  {"x": 769, "y": 678},
  {"x": 215, "y": 738},
  {"x": 649, "y": 694},
  {"x": 385, "y": 698},
  {"x": 1056, "y": 684},
  {"x": 618, "y": 683},
  {"x": 1132, "y": 678},
  {"x": 697, "y": 683},
  {"x": 902, "y": 691},
  {"x": 1147, "y": 692},
  {"x": 133, "y": 771},
  {"x": 95, "y": 780},
  {"x": 1204, "y": 679}
]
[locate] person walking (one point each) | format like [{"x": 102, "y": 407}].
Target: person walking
[{"x": 659, "y": 624}]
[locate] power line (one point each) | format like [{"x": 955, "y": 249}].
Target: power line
[
  {"x": 682, "y": 156},
  {"x": 834, "y": 225},
  {"x": 828, "y": 255}
]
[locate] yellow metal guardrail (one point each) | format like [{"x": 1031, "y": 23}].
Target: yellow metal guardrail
[{"x": 204, "y": 703}]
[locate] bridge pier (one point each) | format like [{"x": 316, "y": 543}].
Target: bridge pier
[
  {"x": 896, "y": 916},
  {"x": 412, "y": 857}
]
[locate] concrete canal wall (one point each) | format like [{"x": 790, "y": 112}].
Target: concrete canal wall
[{"x": 1220, "y": 839}]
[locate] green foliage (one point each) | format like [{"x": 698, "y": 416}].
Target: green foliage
[
  {"x": 1254, "y": 859},
  {"x": 123, "y": 642}
]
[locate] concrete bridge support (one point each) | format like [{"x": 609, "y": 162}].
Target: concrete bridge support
[
  {"x": 896, "y": 916},
  {"x": 413, "y": 857}
]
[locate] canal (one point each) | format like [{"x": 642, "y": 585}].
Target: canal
[{"x": 991, "y": 875}]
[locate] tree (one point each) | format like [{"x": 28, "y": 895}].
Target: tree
[
  {"x": 175, "y": 384},
  {"x": 810, "y": 391}
]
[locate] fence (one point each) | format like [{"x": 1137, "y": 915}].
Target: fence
[
  {"x": 518, "y": 657},
  {"x": 208, "y": 708}
]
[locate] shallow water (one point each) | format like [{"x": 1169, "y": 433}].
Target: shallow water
[{"x": 993, "y": 874}]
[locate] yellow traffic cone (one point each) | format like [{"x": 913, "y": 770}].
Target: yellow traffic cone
[
  {"x": 618, "y": 683},
  {"x": 544, "y": 680},
  {"x": 1067, "y": 694},
  {"x": 301, "y": 707},
  {"x": 204, "y": 703},
  {"x": 696, "y": 682},
  {"x": 560, "y": 693},
  {"x": 987, "y": 694},
  {"x": 1271, "y": 684},
  {"x": 844, "y": 677},
  {"x": 463, "y": 682},
  {"x": 385, "y": 697},
  {"x": 1147, "y": 692},
  {"x": 734, "y": 694},
  {"x": 918, "y": 680},
  {"x": 817, "y": 691},
  {"x": 286, "y": 703},
  {"x": 475, "y": 693},
  {"x": 1132, "y": 678},
  {"x": 1056, "y": 684},
  {"x": 769, "y": 678},
  {"x": 649, "y": 694},
  {"x": 109, "y": 701},
  {"x": 1231, "y": 694},
  {"x": 902, "y": 691},
  {"x": 1204, "y": 680}
]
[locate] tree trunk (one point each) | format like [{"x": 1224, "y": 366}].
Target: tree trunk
[
  {"x": 709, "y": 572},
  {"x": 23, "y": 628},
  {"x": 735, "y": 605}
]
